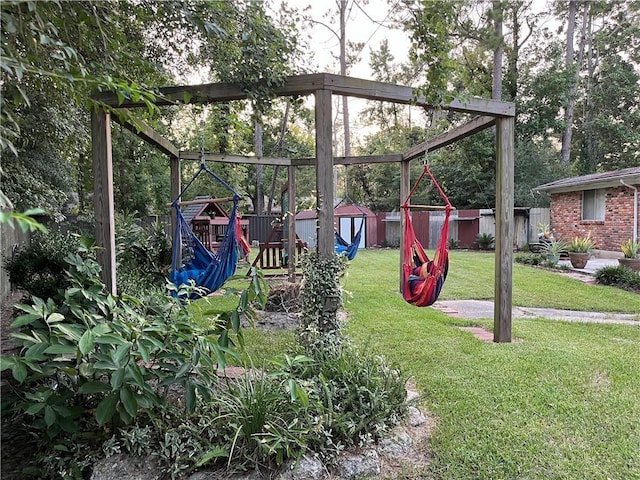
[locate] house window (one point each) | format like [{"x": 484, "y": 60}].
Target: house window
[{"x": 593, "y": 204}]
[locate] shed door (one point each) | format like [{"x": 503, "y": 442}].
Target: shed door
[{"x": 348, "y": 228}]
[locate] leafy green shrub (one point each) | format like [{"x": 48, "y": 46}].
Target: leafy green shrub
[
  {"x": 485, "y": 241},
  {"x": 143, "y": 254},
  {"x": 454, "y": 244},
  {"x": 321, "y": 296},
  {"x": 353, "y": 396},
  {"x": 91, "y": 362},
  {"x": 39, "y": 268},
  {"x": 619, "y": 276},
  {"x": 528, "y": 258}
]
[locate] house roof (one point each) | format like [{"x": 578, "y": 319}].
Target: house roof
[{"x": 630, "y": 176}]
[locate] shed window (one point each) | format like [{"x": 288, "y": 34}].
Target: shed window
[{"x": 593, "y": 204}]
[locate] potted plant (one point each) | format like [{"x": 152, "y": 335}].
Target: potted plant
[
  {"x": 552, "y": 250},
  {"x": 544, "y": 231},
  {"x": 631, "y": 251},
  {"x": 580, "y": 250}
]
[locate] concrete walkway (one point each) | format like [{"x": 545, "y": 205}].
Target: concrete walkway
[
  {"x": 471, "y": 309},
  {"x": 484, "y": 308}
]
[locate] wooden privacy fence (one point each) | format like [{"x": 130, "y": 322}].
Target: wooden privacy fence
[{"x": 480, "y": 221}]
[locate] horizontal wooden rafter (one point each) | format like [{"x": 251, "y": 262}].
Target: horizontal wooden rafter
[
  {"x": 226, "y": 158},
  {"x": 145, "y": 132},
  {"x": 386, "y": 158},
  {"x": 148, "y": 134},
  {"x": 387, "y": 92},
  {"x": 306, "y": 85},
  {"x": 473, "y": 126},
  {"x": 294, "y": 162}
]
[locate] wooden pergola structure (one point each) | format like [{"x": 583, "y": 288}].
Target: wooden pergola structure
[{"x": 487, "y": 113}]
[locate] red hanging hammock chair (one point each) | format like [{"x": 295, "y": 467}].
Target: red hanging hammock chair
[{"x": 422, "y": 277}]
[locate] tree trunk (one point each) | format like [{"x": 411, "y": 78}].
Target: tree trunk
[
  {"x": 498, "y": 52},
  {"x": 572, "y": 67},
  {"x": 589, "y": 155},
  {"x": 512, "y": 60},
  {"x": 343, "y": 71},
  {"x": 283, "y": 131}
]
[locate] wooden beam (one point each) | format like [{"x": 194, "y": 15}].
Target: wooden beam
[
  {"x": 472, "y": 127},
  {"x": 286, "y": 162},
  {"x": 324, "y": 173},
  {"x": 215, "y": 92},
  {"x": 291, "y": 235},
  {"x": 504, "y": 230},
  {"x": 308, "y": 84},
  {"x": 103, "y": 197},
  {"x": 146, "y": 133},
  {"x": 244, "y": 159},
  {"x": 388, "y": 158},
  {"x": 176, "y": 186},
  {"x": 405, "y": 188},
  {"x": 387, "y": 92}
]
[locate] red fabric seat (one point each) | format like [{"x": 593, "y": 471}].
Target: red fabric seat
[{"x": 422, "y": 277}]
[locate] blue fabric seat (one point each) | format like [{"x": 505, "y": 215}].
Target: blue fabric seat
[{"x": 192, "y": 261}]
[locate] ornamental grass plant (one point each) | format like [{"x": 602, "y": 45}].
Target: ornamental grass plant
[
  {"x": 630, "y": 249},
  {"x": 581, "y": 244}
]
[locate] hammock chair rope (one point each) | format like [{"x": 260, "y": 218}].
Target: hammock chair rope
[
  {"x": 191, "y": 260},
  {"x": 423, "y": 278}
]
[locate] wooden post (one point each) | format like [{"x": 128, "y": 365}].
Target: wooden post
[
  {"x": 324, "y": 174},
  {"x": 504, "y": 230},
  {"x": 175, "y": 191},
  {"x": 405, "y": 188},
  {"x": 291, "y": 245},
  {"x": 103, "y": 196}
]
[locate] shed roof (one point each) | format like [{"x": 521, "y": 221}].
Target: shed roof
[
  {"x": 630, "y": 176},
  {"x": 189, "y": 212}
]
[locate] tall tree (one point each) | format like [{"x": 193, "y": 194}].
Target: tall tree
[
  {"x": 607, "y": 135},
  {"x": 498, "y": 50},
  {"x": 572, "y": 67}
]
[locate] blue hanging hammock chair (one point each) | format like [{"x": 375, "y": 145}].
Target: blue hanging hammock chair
[
  {"x": 343, "y": 247},
  {"x": 191, "y": 260}
]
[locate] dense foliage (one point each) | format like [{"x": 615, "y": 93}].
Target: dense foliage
[
  {"x": 56, "y": 54},
  {"x": 89, "y": 359},
  {"x": 143, "y": 257},
  {"x": 459, "y": 44}
]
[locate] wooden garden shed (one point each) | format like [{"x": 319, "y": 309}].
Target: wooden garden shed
[
  {"x": 347, "y": 219},
  {"x": 483, "y": 114}
]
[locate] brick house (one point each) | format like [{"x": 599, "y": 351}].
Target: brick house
[{"x": 605, "y": 204}]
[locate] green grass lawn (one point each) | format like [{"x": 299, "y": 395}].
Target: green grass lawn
[
  {"x": 560, "y": 402},
  {"x": 471, "y": 277}
]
